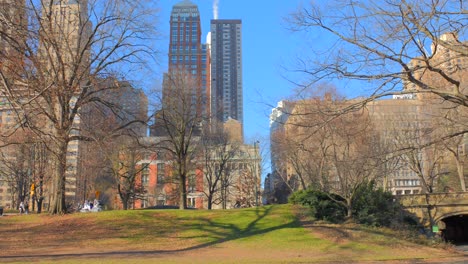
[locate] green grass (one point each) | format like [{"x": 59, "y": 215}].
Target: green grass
[{"x": 261, "y": 235}]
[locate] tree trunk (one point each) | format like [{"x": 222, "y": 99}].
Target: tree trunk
[
  {"x": 349, "y": 209},
  {"x": 461, "y": 176},
  {"x": 429, "y": 211},
  {"x": 39, "y": 205},
  {"x": 40, "y": 195},
  {"x": 58, "y": 205},
  {"x": 125, "y": 203},
  {"x": 183, "y": 193},
  {"x": 210, "y": 201}
]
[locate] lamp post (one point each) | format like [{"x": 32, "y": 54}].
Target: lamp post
[{"x": 256, "y": 172}]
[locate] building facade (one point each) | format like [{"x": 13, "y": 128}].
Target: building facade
[
  {"x": 13, "y": 19},
  {"x": 226, "y": 70},
  {"x": 187, "y": 55}
]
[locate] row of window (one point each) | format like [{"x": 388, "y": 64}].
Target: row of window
[
  {"x": 407, "y": 183},
  {"x": 177, "y": 25},
  {"x": 401, "y": 192},
  {"x": 187, "y": 38}
]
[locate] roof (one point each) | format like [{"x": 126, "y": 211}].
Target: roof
[{"x": 185, "y": 3}]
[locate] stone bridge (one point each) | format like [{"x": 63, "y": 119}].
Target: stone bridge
[{"x": 449, "y": 212}]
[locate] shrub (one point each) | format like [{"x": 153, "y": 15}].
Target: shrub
[
  {"x": 323, "y": 206},
  {"x": 372, "y": 206}
]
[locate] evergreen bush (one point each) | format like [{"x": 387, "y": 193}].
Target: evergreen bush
[{"x": 322, "y": 206}]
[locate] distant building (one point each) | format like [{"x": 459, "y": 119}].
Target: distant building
[
  {"x": 241, "y": 183},
  {"x": 278, "y": 118},
  {"x": 69, "y": 27},
  {"x": 444, "y": 59},
  {"x": 392, "y": 118},
  {"x": 13, "y": 14},
  {"x": 187, "y": 55},
  {"x": 226, "y": 70},
  {"x": 160, "y": 183},
  {"x": 233, "y": 128},
  {"x": 65, "y": 22},
  {"x": 122, "y": 113}
]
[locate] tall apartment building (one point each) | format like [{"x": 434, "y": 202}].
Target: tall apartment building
[
  {"x": 63, "y": 54},
  {"x": 186, "y": 53},
  {"x": 441, "y": 59},
  {"x": 13, "y": 24},
  {"x": 226, "y": 70},
  {"x": 64, "y": 36}
]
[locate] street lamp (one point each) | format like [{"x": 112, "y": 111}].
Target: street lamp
[{"x": 256, "y": 171}]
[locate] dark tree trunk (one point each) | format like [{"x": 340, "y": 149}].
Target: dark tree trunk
[
  {"x": 58, "y": 204},
  {"x": 183, "y": 193}
]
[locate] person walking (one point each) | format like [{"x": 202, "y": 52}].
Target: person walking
[{"x": 21, "y": 208}]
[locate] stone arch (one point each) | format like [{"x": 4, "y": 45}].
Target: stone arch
[
  {"x": 454, "y": 226},
  {"x": 450, "y": 214}
]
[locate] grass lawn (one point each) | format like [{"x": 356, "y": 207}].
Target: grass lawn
[{"x": 257, "y": 235}]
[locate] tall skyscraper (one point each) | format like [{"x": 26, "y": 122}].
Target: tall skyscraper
[
  {"x": 186, "y": 53},
  {"x": 226, "y": 70}
]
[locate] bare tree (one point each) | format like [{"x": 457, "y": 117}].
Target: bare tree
[
  {"x": 342, "y": 148},
  {"x": 354, "y": 156},
  {"x": 127, "y": 170},
  {"x": 307, "y": 138},
  {"x": 15, "y": 172},
  {"x": 178, "y": 124},
  {"x": 218, "y": 151},
  {"x": 451, "y": 120},
  {"x": 64, "y": 51},
  {"x": 281, "y": 149},
  {"x": 248, "y": 182},
  {"x": 376, "y": 41},
  {"x": 40, "y": 174},
  {"x": 425, "y": 160},
  {"x": 396, "y": 48}
]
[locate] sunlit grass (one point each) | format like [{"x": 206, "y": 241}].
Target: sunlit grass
[{"x": 265, "y": 234}]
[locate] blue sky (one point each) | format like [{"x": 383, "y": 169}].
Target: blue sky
[{"x": 266, "y": 45}]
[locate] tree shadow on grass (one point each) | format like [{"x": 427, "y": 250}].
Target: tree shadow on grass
[{"x": 210, "y": 231}]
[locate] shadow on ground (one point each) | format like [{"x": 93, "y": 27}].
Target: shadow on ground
[{"x": 214, "y": 232}]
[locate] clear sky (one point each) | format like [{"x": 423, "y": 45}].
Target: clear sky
[{"x": 266, "y": 45}]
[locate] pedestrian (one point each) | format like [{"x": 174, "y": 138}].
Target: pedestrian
[
  {"x": 21, "y": 208},
  {"x": 26, "y": 207}
]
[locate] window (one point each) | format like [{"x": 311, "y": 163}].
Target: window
[
  {"x": 145, "y": 174},
  {"x": 191, "y": 202},
  {"x": 192, "y": 184},
  {"x": 160, "y": 173},
  {"x": 144, "y": 179}
]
